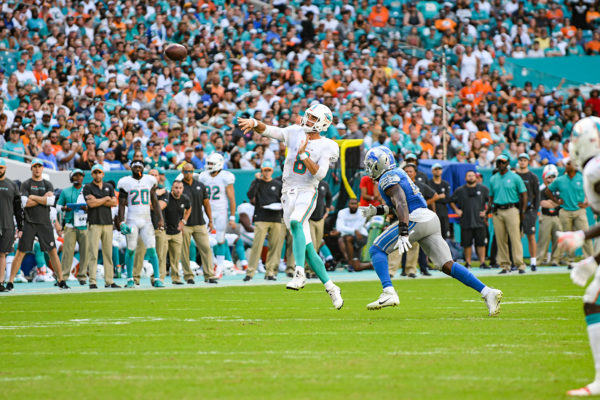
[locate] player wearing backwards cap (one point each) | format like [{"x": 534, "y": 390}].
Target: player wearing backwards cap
[
  {"x": 37, "y": 196},
  {"x": 416, "y": 223},
  {"x": 585, "y": 153},
  {"x": 307, "y": 161},
  {"x": 10, "y": 198},
  {"x": 137, "y": 192},
  {"x": 219, "y": 184}
]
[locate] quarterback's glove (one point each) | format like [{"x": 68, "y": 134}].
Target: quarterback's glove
[
  {"x": 583, "y": 270},
  {"x": 368, "y": 212},
  {"x": 570, "y": 241},
  {"x": 125, "y": 229}
]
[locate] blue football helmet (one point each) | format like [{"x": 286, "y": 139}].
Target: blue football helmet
[{"x": 378, "y": 160}]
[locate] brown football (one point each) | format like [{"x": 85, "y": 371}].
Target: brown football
[{"x": 175, "y": 52}]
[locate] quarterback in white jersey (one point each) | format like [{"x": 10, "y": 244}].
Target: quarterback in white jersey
[
  {"x": 585, "y": 153},
  {"x": 307, "y": 162},
  {"x": 138, "y": 192},
  {"x": 221, "y": 196}
]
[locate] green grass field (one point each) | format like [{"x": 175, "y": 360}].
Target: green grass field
[{"x": 268, "y": 343}]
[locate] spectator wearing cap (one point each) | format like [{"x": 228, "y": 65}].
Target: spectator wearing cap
[
  {"x": 508, "y": 202},
  {"x": 100, "y": 197},
  {"x": 198, "y": 160},
  {"x": 265, "y": 195},
  {"x": 420, "y": 176},
  {"x": 67, "y": 156},
  {"x": 75, "y": 227},
  {"x": 549, "y": 220},
  {"x": 111, "y": 163},
  {"x": 470, "y": 202},
  {"x": 15, "y": 146},
  {"x": 136, "y": 145},
  {"x": 187, "y": 98},
  {"x": 442, "y": 189},
  {"x": 573, "y": 204},
  {"x": 533, "y": 203}
]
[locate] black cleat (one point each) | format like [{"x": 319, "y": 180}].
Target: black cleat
[
  {"x": 82, "y": 282},
  {"x": 93, "y": 286},
  {"x": 271, "y": 278},
  {"x": 249, "y": 278},
  {"x": 9, "y": 286},
  {"x": 425, "y": 272},
  {"x": 533, "y": 268},
  {"x": 467, "y": 265},
  {"x": 513, "y": 267},
  {"x": 522, "y": 271},
  {"x": 330, "y": 265},
  {"x": 211, "y": 281},
  {"x": 177, "y": 283},
  {"x": 2, "y": 288},
  {"x": 484, "y": 266},
  {"x": 411, "y": 275},
  {"x": 63, "y": 285},
  {"x": 112, "y": 286},
  {"x": 504, "y": 271},
  {"x": 191, "y": 282}
]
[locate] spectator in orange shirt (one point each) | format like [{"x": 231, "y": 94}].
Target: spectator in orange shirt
[
  {"x": 444, "y": 24},
  {"x": 38, "y": 72},
  {"x": 482, "y": 87},
  {"x": 467, "y": 93},
  {"x": 330, "y": 86},
  {"x": 554, "y": 12},
  {"x": 593, "y": 46},
  {"x": 369, "y": 195},
  {"x": 379, "y": 15},
  {"x": 568, "y": 30}
]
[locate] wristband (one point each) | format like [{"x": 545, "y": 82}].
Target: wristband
[
  {"x": 383, "y": 210},
  {"x": 232, "y": 218},
  {"x": 255, "y": 123},
  {"x": 403, "y": 229},
  {"x": 184, "y": 221},
  {"x": 303, "y": 156}
]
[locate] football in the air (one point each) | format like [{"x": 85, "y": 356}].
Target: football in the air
[{"x": 175, "y": 52}]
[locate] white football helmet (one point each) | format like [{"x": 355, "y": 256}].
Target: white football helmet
[
  {"x": 550, "y": 170},
  {"x": 585, "y": 141},
  {"x": 322, "y": 115},
  {"x": 214, "y": 162},
  {"x": 378, "y": 160}
]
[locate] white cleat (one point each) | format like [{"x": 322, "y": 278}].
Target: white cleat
[
  {"x": 336, "y": 296},
  {"x": 389, "y": 298},
  {"x": 592, "y": 389},
  {"x": 492, "y": 300},
  {"x": 297, "y": 282},
  {"x": 20, "y": 278}
]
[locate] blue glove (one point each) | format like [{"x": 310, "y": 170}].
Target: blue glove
[{"x": 125, "y": 230}]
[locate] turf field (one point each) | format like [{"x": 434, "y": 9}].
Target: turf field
[{"x": 263, "y": 342}]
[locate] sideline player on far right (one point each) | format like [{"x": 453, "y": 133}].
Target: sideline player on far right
[{"x": 585, "y": 153}]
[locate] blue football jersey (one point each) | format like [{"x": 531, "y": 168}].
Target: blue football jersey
[{"x": 397, "y": 176}]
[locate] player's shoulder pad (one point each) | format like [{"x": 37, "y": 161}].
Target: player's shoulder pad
[
  {"x": 228, "y": 177},
  {"x": 389, "y": 179},
  {"x": 592, "y": 168},
  {"x": 151, "y": 180},
  {"x": 123, "y": 183}
]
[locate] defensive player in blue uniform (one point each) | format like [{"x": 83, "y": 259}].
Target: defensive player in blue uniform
[{"x": 416, "y": 223}]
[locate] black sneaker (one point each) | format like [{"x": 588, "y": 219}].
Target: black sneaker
[
  {"x": 2, "y": 288},
  {"x": 63, "y": 285},
  {"x": 271, "y": 278},
  {"x": 330, "y": 265},
  {"x": 9, "y": 286},
  {"x": 93, "y": 286},
  {"x": 309, "y": 275},
  {"x": 290, "y": 274},
  {"x": 513, "y": 267},
  {"x": 112, "y": 286},
  {"x": 211, "y": 281},
  {"x": 425, "y": 272},
  {"x": 191, "y": 282},
  {"x": 411, "y": 275},
  {"x": 467, "y": 265},
  {"x": 503, "y": 272},
  {"x": 248, "y": 278},
  {"x": 177, "y": 283},
  {"x": 533, "y": 268},
  {"x": 484, "y": 266},
  {"x": 522, "y": 271},
  {"x": 82, "y": 282}
]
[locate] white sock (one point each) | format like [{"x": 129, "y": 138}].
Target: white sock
[
  {"x": 485, "y": 291},
  {"x": 329, "y": 285},
  {"x": 299, "y": 268},
  {"x": 594, "y": 335},
  {"x": 244, "y": 263},
  {"x": 533, "y": 261},
  {"x": 220, "y": 260}
]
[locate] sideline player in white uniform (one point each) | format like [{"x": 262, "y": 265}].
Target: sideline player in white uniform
[
  {"x": 221, "y": 195},
  {"x": 137, "y": 192},
  {"x": 585, "y": 153},
  {"x": 308, "y": 157}
]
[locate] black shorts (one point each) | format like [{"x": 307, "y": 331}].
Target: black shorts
[
  {"x": 7, "y": 240},
  {"x": 44, "y": 234},
  {"x": 470, "y": 235},
  {"x": 529, "y": 220}
]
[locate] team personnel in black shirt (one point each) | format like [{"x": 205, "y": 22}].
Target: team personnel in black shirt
[
  {"x": 265, "y": 194},
  {"x": 10, "y": 198},
  {"x": 469, "y": 202},
  {"x": 197, "y": 227},
  {"x": 37, "y": 196},
  {"x": 100, "y": 197},
  {"x": 176, "y": 213},
  {"x": 549, "y": 220},
  {"x": 442, "y": 188},
  {"x": 317, "y": 221},
  {"x": 533, "y": 204},
  {"x": 420, "y": 177}
]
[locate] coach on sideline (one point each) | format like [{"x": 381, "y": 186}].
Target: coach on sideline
[
  {"x": 37, "y": 195},
  {"x": 10, "y": 198},
  {"x": 508, "y": 202},
  {"x": 176, "y": 214}
]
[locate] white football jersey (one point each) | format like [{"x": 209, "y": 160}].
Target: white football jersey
[
  {"x": 322, "y": 151},
  {"x": 591, "y": 176},
  {"x": 138, "y": 195},
  {"x": 216, "y": 189}
]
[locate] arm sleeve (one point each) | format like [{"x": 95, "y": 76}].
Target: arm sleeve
[{"x": 276, "y": 133}]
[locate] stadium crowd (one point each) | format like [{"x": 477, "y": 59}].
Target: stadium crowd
[{"x": 86, "y": 83}]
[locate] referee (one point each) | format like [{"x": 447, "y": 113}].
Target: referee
[
  {"x": 176, "y": 214},
  {"x": 508, "y": 202},
  {"x": 37, "y": 195},
  {"x": 10, "y": 198}
]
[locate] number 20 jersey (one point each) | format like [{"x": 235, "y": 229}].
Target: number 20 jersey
[
  {"x": 397, "y": 176},
  {"x": 216, "y": 189},
  {"x": 138, "y": 195}
]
